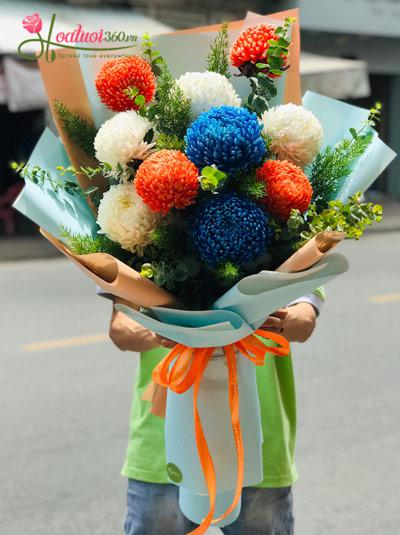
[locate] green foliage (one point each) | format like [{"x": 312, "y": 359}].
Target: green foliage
[
  {"x": 351, "y": 217},
  {"x": 278, "y": 49},
  {"x": 41, "y": 177},
  {"x": 169, "y": 141},
  {"x": 171, "y": 274},
  {"x": 212, "y": 179},
  {"x": 152, "y": 55},
  {"x": 263, "y": 89},
  {"x": 249, "y": 186},
  {"x": 87, "y": 244},
  {"x": 334, "y": 164},
  {"x": 171, "y": 110},
  {"x": 228, "y": 273},
  {"x": 113, "y": 174},
  {"x": 218, "y": 58},
  {"x": 78, "y": 129}
]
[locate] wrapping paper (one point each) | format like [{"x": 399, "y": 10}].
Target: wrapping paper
[
  {"x": 115, "y": 277},
  {"x": 46, "y": 208},
  {"x": 313, "y": 251},
  {"x": 336, "y": 118},
  {"x": 180, "y": 438}
]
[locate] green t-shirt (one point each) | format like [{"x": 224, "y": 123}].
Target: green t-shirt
[{"x": 146, "y": 460}]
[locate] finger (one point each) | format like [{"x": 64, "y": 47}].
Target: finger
[
  {"x": 280, "y": 313},
  {"x": 271, "y": 321},
  {"x": 167, "y": 343}
]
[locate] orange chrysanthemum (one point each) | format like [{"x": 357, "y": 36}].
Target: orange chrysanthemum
[
  {"x": 287, "y": 188},
  {"x": 252, "y": 44},
  {"x": 120, "y": 74},
  {"x": 167, "y": 179}
]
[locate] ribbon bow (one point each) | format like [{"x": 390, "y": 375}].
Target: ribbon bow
[{"x": 188, "y": 365}]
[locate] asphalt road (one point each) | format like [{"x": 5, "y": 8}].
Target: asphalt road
[{"x": 65, "y": 398}]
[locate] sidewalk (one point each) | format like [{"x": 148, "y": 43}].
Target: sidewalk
[{"x": 36, "y": 247}]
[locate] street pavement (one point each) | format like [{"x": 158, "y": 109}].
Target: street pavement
[{"x": 65, "y": 400}]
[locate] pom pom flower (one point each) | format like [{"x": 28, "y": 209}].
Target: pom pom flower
[
  {"x": 295, "y": 133},
  {"x": 227, "y": 137},
  {"x": 167, "y": 179},
  {"x": 120, "y": 140},
  {"x": 207, "y": 90},
  {"x": 252, "y": 45},
  {"x": 229, "y": 227},
  {"x": 119, "y": 76},
  {"x": 125, "y": 219},
  {"x": 287, "y": 188}
]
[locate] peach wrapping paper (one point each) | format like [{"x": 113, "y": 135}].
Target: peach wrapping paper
[
  {"x": 312, "y": 251},
  {"x": 117, "y": 278}
]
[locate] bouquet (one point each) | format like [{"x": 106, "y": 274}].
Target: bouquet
[{"x": 206, "y": 199}]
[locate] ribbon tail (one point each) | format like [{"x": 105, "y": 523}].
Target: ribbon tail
[
  {"x": 204, "y": 452},
  {"x": 236, "y": 429}
]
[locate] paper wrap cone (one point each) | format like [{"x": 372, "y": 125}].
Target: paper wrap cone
[
  {"x": 116, "y": 278},
  {"x": 312, "y": 252}
]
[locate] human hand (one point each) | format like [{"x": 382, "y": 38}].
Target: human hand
[
  {"x": 296, "y": 323},
  {"x": 165, "y": 342}
]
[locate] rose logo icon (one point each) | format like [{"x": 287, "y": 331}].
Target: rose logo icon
[{"x": 33, "y": 23}]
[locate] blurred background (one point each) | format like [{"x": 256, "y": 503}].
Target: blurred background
[{"x": 65, "y": 390}]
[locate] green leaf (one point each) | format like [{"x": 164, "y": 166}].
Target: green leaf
[{"x": 140, "y": 100}]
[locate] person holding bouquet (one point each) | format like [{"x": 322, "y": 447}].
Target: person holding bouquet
[{"x": 266, "y": 509}]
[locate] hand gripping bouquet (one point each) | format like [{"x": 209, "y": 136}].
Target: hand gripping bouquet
[{"x": 190, "y": 182}]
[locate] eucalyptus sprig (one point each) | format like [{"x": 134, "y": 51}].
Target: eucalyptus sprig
[
  {"x": 212, "y": 179},
  {"x": 351, "y": 217},
  {"x": 41, "y": 177},
  {"x": 152, "y": 55}
]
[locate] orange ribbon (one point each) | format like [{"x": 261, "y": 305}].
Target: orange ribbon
[{"x": 188, "y": 366}]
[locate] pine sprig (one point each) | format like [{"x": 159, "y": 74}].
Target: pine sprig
[
  {"x": 333, "y": 165},
  {"x": 78, "y": 129},
  {"x": 171, "y": 111},
  {"x": 217, "y": 59}
]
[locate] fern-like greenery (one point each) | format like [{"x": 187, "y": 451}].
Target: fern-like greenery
[
  {"x": 228, "y": 273},
  {"x": 85, "y": 244},
  {"x": 333, "y": 165},
  {"x": 218, "y": 60},
  {"x": 171, "y": 111},
  {"x": 170, "y": 141},
  {"x": 78, "y": 129},
  {"x": 249, "y": 186}
]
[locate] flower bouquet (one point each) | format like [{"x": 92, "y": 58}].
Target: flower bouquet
[{"x": 205, "y": 200}]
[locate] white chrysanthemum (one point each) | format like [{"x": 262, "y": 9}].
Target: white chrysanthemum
[
  {"x": 121, "y": 139},
  {"x": 296, "y": 134},
  {"x": 206, "y": 90},
  {"x": 125, "y": 219}
]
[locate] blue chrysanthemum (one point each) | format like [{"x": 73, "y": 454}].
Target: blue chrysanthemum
[
  {"x": 229, "y": 227},
  {"x": 227, "y": 137}
]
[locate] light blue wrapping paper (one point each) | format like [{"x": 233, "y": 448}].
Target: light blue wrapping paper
[
  {"x": 239, "y": 311},
  {"x": 215, "y": 416},
  {"x": 337, "y": 118},
  {"x": 52, "y": 210}
]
